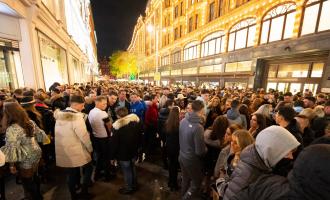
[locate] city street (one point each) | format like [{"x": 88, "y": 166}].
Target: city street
[{"x": 148, "y": 176}]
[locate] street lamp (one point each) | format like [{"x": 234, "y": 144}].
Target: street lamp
[{"x": 151, "y": 28}]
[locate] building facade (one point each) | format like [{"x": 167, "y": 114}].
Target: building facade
[
  {"x": 104, "y": 69},
  {"x": 278, "y": 44},
  {"x": 46, "y": 41}
]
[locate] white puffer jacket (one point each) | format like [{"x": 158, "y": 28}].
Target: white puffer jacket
[{"x": 73, "y": 146}]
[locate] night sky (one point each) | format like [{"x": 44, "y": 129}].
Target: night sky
[{"x": 114, "y": 23}]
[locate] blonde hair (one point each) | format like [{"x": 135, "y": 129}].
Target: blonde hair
[
  {"x": 309, "y": 113},
  {"x": 244, "y": 138},
  {"x": 265, "y": 110},
  {"x": 319, "y": 111}
]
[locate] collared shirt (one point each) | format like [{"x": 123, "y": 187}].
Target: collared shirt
[{"x": 97, "y": 119}]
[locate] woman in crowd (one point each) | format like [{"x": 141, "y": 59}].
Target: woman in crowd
[
  {"x": 257, "y": 124},
  {"x": 304, "y": 120},
  {"x": 226, "y": 150},
  {"x": 214, "y": 140},
  {"x": 245, "y": 111},
  {"x": 239, "y": 140},
  {"x": 21, "y": 150},
  {"x": 172, "y": 146},
  {"x": 215, "y": 110},
  {"x": 266, "y": 111}
]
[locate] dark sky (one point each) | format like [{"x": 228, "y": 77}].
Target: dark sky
[{"x": 114, "y": 23}]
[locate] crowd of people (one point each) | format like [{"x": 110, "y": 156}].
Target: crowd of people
[{"x": 225, "y": 143}]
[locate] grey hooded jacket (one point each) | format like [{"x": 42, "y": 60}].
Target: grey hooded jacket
[{"x": 191, "y": 131}]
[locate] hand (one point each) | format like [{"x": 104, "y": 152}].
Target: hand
[{"x": 13, "y": 169}]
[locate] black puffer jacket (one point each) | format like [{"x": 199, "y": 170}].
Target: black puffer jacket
[
  {"x": 127, "y": 138},
  {"x": 253, "y": 180}
]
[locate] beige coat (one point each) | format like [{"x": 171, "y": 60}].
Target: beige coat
[{"x": 73, "y": 146}]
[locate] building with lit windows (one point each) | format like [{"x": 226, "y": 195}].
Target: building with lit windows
[
  {"x": 279, "y": 44},
  {"x": 46, "y": 41}
]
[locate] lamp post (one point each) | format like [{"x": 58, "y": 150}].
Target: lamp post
[{"x": 150, "y": 29}]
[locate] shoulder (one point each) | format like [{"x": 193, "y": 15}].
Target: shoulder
[
  {"x": 125, "y": 121},
  {"x": 67, "y": 115}
]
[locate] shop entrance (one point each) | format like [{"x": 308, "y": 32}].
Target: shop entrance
[{"x": 295, "y": 76}]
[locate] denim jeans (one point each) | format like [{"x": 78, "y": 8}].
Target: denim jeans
[
  {"x": 129, "y": 172},
  {"x": 73, "y": 178}
]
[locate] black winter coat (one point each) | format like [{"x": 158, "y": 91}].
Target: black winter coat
[
  {"x": 319, "y": 124},
  {"x": 48, "y": 119},
  {"x": 127, "y": 138},
  {"x": 162, "y": 117},
  {"x": 172, "y": 143},
  {"x": 253, "y": 180},
  {"x": 293, "y": 128}
]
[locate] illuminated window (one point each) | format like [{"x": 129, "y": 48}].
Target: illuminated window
[
  {"x": 317, "y": 70},
  {"x": 243, "y": 66},
  {"x": 213, "y": 44},
  {"x": 190, "y": 25},
  {"x": 165, "y": 60},
  {"x": 196, "y": 21},
  {"x": 242, "y": 35},
  {"x": 181, "y": 8},
  {"x": 176, "y": 33},
  {"x": 293, "y": 70},
  {"x": 278, "y": 24},
  {"x": 211, "y": 69},
  {"x": 190, "y": 51},
  {"x": 188, "y": 71},
  {"x": 220, "y": 11},
  {"x": 176, "y": 12},
  {"x": 316, "y": 17},
  {"x": 211, "y": 12},
  {"x": 176, "y": 57},
  {"x": 176, "y": 72}
]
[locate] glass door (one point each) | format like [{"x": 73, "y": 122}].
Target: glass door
[{"x": 8, "y": 77}]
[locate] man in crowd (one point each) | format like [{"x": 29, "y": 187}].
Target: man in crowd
[
  {"x": 122, "y": 100},
  {"x": 126, "y": 140},
  {"x": 137, "y": 106},
  {"x": 285, "y": 118},
  {"x": 309, "y": 102},
  {"x": 112, "y": 105},
  {"x": 163, "y": 98},
  {"x": 101, "y": 127},
  {"x": 192, "y": 147},
  {"x": 205, "y": 96},
  {"x": 288, "y": 98},
  {"x": 151, "y": 123},
  {"x": 73, "y": 146}
]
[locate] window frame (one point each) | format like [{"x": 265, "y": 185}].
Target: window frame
[
  {"x": 270, "y": 23},
  {"x": 203, "y": 44},
  {"x": 240, "y": 29},
  {"x": 317, "y": 20}
]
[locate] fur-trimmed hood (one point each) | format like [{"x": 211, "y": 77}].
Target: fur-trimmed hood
[
  {"x": 125, "y": 121},
  {"x": 68, "y": 115}
]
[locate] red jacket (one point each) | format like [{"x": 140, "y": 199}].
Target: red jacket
[{"x": 152, "y": 116}]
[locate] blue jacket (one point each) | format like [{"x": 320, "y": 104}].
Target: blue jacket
[{"x": 139, "y": 109}]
